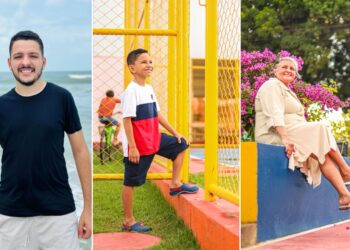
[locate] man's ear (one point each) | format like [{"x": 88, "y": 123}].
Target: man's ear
[{"x": 44, "y": 62}]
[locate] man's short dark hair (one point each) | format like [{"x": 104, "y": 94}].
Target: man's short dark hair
[
  {"x": 133, "y": 55},
  {"x": 27, "y": 35},
  {"x": 110, "y": 93}
]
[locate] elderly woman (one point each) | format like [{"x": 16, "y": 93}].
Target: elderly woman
[{"x": 310, "y": 146}]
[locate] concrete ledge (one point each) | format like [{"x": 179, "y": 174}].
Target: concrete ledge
[
  {"x": 248, "y": 234},
  {"x": 287, "y": 204},
  {"x": 214, "y": 224}
]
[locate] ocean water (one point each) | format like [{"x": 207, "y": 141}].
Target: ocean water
[{"x": 79, "y": 84}]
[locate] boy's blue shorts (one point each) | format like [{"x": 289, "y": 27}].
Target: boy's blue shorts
[{"x": 135, "y": 174}]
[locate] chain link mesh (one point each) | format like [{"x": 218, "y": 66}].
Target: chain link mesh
[
  {"x": 108, "y": 74},
  {"x": 228, "y": 95},
  {"x": 109, "y": 62}
]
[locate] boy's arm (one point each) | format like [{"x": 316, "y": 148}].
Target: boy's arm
[
  {"x": 134, "y": 155},
  {"x": 82, "y": 161},
  {"x": 168, "y": 127},
  {"x": 117, "y": 100}
]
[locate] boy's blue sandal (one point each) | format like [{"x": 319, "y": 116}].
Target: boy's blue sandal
[
  {"x": 183, "y": 189},
  {"x": 137, "y": 227}
]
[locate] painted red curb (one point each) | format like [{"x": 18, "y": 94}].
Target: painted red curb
[
  {"x": 124, "y": 241},
  {"x": 214, "y": 224}
]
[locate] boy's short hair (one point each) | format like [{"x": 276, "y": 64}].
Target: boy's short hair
[
  {"x": 27, "y": 35},
  {"x": 133, "y": 55},
  {"x": 110, "y": 93}
]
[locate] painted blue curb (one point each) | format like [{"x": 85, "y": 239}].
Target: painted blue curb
[{"x": 287, "y": 204}]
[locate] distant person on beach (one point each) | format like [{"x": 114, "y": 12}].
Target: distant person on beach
[
  {"x": 37, "y": 209},
  {"x": 310, "y": 146},
  {"x": 142, "y": 139},
  {"x": 105, "y": 114}
]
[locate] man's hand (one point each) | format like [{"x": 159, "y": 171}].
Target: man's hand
[
  {"x": 84, "y": 227},
  {"x": 134, "y": 155}
]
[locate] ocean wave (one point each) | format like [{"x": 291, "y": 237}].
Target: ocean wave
[{"x": 79, "y": 76}]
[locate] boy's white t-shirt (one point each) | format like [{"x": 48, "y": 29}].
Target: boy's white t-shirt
[{"x": 140, "y": 103}]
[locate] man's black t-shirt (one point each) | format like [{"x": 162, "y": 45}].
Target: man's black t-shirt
[{"x": 34, "y": 179}]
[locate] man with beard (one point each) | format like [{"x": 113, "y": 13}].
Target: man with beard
[{"x": 37, "y": 209}]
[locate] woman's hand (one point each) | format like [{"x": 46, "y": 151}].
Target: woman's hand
[{"x": 290, "y": 149}]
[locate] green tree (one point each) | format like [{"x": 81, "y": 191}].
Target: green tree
[{"x": 316, "y": 30}]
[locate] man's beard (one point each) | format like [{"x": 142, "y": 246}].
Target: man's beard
[{"x": 28, "y": 83}]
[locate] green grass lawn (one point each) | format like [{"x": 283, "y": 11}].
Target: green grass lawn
[
  {"x": 198, "y": 179},
  {"x": 149, "y": 206}
]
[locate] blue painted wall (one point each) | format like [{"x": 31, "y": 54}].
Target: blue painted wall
[{"x": 287, "y": 204}]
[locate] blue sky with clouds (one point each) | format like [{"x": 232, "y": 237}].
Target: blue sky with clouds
[{"x": 64, "y": 26}]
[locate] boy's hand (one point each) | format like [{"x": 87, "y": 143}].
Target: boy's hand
[
  {"x": 179, "y": 136},
  {"x": 134, "y": 155}
]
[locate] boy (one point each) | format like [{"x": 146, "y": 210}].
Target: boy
[
  {"x": 142, "y": 140},
  {"x": 105, "y": 112}
]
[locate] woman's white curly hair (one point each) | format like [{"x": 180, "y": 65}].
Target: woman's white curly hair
[{"x": 291, "y": 59}]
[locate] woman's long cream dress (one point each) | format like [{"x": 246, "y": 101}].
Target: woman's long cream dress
[{"x": 277, "y": 105}]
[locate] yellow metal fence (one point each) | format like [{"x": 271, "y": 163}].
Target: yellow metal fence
[
  {"x": 222, "y": 97},
  {"x": 161, "y": 28}
]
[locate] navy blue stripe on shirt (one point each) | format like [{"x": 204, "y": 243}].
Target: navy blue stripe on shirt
[{"x": 146, "y": 111}]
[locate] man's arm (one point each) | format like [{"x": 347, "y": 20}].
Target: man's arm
[
  {"x": 83, "y": 163},
  {"x": 168, "y": 127},
  {"x": 134, "y": 155}
]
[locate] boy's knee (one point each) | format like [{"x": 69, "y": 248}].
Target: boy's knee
[
  {"x": 181, "y": 153},
  {"x": 127, "y": 188}
]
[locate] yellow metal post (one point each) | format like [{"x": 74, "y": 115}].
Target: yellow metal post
[
  {"x": 136, "y": 21},
  {"x": 172, "y": 79},
  {"x": 224, "y": 193},
  {"x": 182, "y": 62},
  {"x": 179, "y": 59},
  {"x": 129, "y": 31},
  {"x": 171, "y": 65},
  {"x": 147, "y": 25},
  {"x": 150, "y": 176},
  {"x": 211, "y": 99},
  {"x": 249, "y": 177},
  {"x": 185, "y": 84},
  {"x": 127, "y": 42}
]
